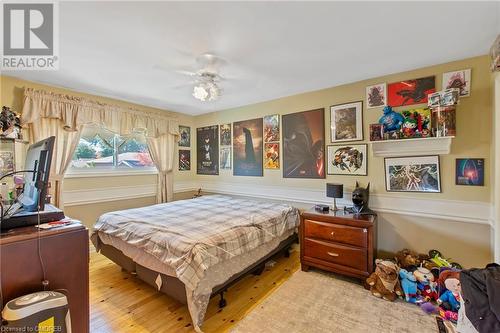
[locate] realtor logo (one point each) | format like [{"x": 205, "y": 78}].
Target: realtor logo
[{"x": 29, "y": 36}]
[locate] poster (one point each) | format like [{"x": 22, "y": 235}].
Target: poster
[
  {"x": 410, "y": 91},
  {"x": 208, "y": 150},
  {"x": 247, "y": 148}
]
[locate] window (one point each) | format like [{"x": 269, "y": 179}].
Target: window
[{"x": 101, "y": 150}]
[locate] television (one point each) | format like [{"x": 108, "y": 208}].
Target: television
[{"x": 38, "y": 160}]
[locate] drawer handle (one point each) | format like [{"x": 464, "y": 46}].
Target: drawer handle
[
  {"x": 332, "y": 254},
  {"x": 332, "y": 233}
]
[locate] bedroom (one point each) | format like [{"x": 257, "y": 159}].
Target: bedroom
[{"x": 238, "y": 119}]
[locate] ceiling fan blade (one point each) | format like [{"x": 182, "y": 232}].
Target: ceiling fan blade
[{"x": 184, "y": 72}]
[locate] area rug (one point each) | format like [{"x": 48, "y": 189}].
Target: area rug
[{"x": 320, "y": 302}]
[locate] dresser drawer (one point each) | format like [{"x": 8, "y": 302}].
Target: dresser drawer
[
  {"x": 336, "y": 253},
  {"x": 336, "y": 233}
]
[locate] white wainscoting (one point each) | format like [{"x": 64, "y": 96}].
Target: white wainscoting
[{"x": 453, "y": 210}]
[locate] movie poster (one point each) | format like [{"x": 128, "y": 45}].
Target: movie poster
[
  {"x": 411, "y": 91},
  {"x": 225, "y": 158},
  {"x": 184, "y": 136},
  {"x": 208, "y": 150},
  {"x": 469, "y": 171},
  {"x": 184, "y": 160},
  {"x": 225, "y": 135},
  {"x": 304, "y": 144},
  {"x": 272, "y": 155},
  {"x": 272, "y": 128},
  {"x": 247, "y": 148}
]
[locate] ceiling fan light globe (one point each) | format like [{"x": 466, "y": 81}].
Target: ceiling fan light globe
[{"x": 200, "y": 92}]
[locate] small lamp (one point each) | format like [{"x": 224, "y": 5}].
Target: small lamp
[{"x": 334, "y": 191}]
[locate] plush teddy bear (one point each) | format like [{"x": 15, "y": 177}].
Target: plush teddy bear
[
  {"x": 407, "y": 258},
  {"x": 409, "y": 285},
  {"x": 384, "y": 282}
]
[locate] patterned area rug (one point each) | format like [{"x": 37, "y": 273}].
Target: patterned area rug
[{"x": 320, "y": 302}]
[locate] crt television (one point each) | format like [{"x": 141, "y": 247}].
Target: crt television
[{"x": 38, "y": 160}]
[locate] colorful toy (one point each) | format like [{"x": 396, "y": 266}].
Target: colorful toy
[
  {"x": 424, "y": 278},
  {"x": 437, "y": 258},
  {"x": 416, "y": 123},
  {"x": 408, "y": 259},
  {"x": 391, "y": 120},
  {"x": 384, "y": 282},
  {"x": 450, "y": 299},
  {"x": 409, "y": 285}
]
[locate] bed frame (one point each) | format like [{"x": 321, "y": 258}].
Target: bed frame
[{"x": 174, "y": 288}]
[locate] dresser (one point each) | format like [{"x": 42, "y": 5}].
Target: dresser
[
  {"x": 338, "y": 242},
  {"x": 65, "y": 254}
]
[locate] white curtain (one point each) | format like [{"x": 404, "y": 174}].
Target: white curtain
[{"x": 64, "y": 116}]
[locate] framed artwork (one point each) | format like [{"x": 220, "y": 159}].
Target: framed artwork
[
  {"x": 458, "y": 79},
  {"x": 272, "y": 155},
  {"x": 376, "y": 132},
  {"x": 247, "y": 148},
  {"x": 376, "y": 96},
  {"x": 346, "y": 122},
  {"x": 6, "y": 162},
  {"x": 225, "y": 158},
  {"x": 225, "y": 135},
  {"x": 184, "y": 136},
  {"x": 184, "y": 160},
  {"x": 412, "y": 174},
  {"x": 207, "y": 140},
  {"x": 304, "y": 144},
  {"x": 272, "y": 128},
  {"x": 348, "y": 160},
  {"x": 411, "y": 91},
  {"x": 469, "y": 171}
]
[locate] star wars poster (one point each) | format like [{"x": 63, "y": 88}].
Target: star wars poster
[
  {"x": 304, "y": 144},
  {"x": 208, "y": 150},
  {"x": 411, "y": 91},
  {"x": 247, "y": 148}
]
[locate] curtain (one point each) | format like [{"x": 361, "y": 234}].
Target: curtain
[
  {"x": 64, "y": 116},
  {"x": 164, "y": 162}
]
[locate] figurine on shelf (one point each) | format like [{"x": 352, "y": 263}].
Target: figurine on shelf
[
  {"x": 360, "y": 198},
  {"x": 391, "y": 120}
]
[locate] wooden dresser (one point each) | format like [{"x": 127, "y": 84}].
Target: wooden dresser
[
  {"x": 338, "y": 242},
  {"x": 65, "y": 253}
]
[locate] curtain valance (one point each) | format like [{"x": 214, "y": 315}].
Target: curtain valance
[{"x": 73, "y": 112}]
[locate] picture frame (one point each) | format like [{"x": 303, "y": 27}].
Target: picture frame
[
  {"x": 6, "y": 162},
  {"x": 272, "y": 128},
  {"x": 272, "y": 155},
  {"x": 184, "y": 160},
  {"x": 413, "y": 174},
  {"x": 248, "y": 148},
  {"x": 469, "y": 171},
  {"x": 184, "y": 136},
  {"x": 347, "y": 160},
  {"x": 225, "y": 134},
  {"x": 207, "y": 157},
  {"x": 410, "y": 92},
  {"x": 346, "y": 122},
  {"x": 376, "y": 96},
  {"x": 460, "y": 79},
  {"x": 303, "y": 137},
  {"x": 225, "y": 158}
]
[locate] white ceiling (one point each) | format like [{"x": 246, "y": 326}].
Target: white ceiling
[{"x": 273, "y": 49}]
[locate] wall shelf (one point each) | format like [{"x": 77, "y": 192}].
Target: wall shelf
[{"x": 412, "y": 147}]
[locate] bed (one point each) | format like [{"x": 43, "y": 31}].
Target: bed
[{"x": 194, "y": 249}]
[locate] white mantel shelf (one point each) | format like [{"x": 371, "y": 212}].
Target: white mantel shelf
[{"x": 412, "y": 147}]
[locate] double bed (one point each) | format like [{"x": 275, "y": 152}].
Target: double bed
[{"x": 193, "y": 249}]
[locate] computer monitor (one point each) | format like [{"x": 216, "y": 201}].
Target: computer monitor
[{"x": 38, "y": 159}]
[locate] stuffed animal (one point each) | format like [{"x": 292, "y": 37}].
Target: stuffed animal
[
  {"x": 384, "y": 282},
  {"x": 407, "y": 258},
  {"x": 391, "y": 120},
  {"x": 424, "y": 278},
  {"x": 450, "y": 299},
  {"x": 409, "y": 285}
]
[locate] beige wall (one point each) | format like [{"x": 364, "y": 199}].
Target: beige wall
[
  {"x": 11, "y": 94},
  {"x": 470, "y": 243},
  {"x": 496, "y": 166}
]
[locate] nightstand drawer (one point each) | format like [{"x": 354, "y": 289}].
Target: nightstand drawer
[
  {"x": 336, "y": 253},
  {"x": 336, "y": 233}
]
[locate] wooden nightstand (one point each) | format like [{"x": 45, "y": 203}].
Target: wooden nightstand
[{"x": 338, "y": 242}]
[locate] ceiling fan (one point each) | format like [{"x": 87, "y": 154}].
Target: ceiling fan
[{"x": 206, "y": 80}]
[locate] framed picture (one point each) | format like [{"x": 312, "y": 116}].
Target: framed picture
[
  {"x": 6, "y": 162},
  {"x": 247, "y": 148},
  {"x": 272, "y": 128},
  {"x": 412, "y": 174},
  {"x": 272, "y": 155},
  {"x": 225, "y": 135},
  {"x": 469, "y": 171},
  {"x": 225, "y": 158},
  {"x": 184, "y": 160},
  {"x": 346, "y": 122},
  {"x": 184, "y": 136},
  {"x": 458, "y": 79},
  {"x": 304, "y": 144},
  {"x": 376, "y": 132},
  {"x": 349, "y": 160},
  {"x": 411, "y": 91},
  {"x": 207, "y": 140},
  {"x": 376, "y": 96}
]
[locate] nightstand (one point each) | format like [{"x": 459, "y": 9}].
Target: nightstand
[{"x": 338, "y": 242}]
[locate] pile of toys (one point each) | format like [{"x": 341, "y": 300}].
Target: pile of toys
[{"x": 427, "y": 280}]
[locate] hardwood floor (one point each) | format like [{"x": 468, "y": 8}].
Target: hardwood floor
[{"x": 120, "y": 302}]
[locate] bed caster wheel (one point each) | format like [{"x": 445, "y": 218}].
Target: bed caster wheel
[
  {"x": 222, "y": 302},
  {"x": 287, "y": 253}
]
